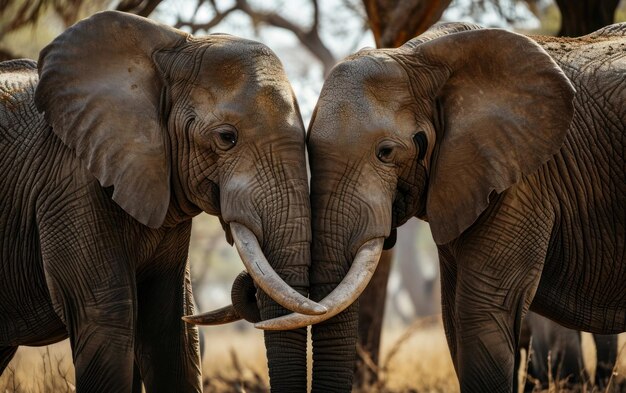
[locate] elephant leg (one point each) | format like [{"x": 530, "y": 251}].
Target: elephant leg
[
  {"x": 606, "y": 353},
  {"x": 92, "y": 289},
  {"x": 166, "y": 347},
  {"x": 6, "y": 354},
  {"x": 567, "y": 362},
  {"x": 485, "y": 350},
  {"x": 546, "y": 345},
  {"x": 101, "y": 337},
  {"x": 493, "y": 294},
  {"x": 556, "y": 353},
  {"x": 447, "y": 266},
  {"x": 137, "y": 385}
]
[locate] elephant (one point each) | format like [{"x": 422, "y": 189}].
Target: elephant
[
  {"x": 563, "y": 348},
  {"x": 122, "y": 132},
  {"x": 512, "y": 148}
]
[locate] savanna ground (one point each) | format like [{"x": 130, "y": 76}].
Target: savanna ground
[{"x": 414, "y": 359}]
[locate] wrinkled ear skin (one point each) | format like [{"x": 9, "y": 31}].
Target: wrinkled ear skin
[
  {"x": 102, "y": 94},
  {"x": 506, "y": 109}
]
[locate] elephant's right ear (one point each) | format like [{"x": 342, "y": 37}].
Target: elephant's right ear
[
  {"x": 506, "y": 108},
  {"x": 100, "y": 90}
]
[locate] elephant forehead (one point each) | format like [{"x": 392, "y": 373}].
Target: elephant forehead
[
  {"x": 363, "y": 120},
  {"x": 344, "y": 119},
  {"x": 228, "y": 59},
  {"x": 362, "y": 95}
]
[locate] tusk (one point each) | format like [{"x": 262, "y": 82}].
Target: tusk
[
  {"x": 265, "y": 277},
  {"x": 220, "y": 316},
  {"x": 350, "y": 288}
]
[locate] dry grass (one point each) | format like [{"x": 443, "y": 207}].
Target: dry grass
[
  {"x": 39, "y": 370},
  {"x": 415, "y": 359}
]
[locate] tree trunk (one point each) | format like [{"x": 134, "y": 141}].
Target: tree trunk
[
  {"x": 582, "y": 17},
  {"x": 371, "y": 312},
  {"x": 394, "y": 23}
]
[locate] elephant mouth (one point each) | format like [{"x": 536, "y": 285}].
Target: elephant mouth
[
  {"x": 264, "y": 276},
  {"x": 361, "y": 271}
]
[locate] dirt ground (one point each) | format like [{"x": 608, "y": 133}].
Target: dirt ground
[{"x": 414, "y": 359}]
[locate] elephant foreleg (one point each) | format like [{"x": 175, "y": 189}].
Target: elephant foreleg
[
  {"x": 6, "y": 354},
  {"x": 606, "y": 350},
  {"x": 137, "y": 385},
  {"x": 492, "y": 296},
  {"x": 167, "y": 348},
  {"x": 447, "y": 266},
  {"x": 487, "y": 339},
  {"x": 92, "y": 288}
]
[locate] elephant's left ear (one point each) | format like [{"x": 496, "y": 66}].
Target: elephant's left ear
[
  {"x": 100, "y": 90},
  {"x": 506, "y": 108}
]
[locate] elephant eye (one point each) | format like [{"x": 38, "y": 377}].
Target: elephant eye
[
  {"x": 225, "y": 137},
  {"x": 385, "y": 152}
]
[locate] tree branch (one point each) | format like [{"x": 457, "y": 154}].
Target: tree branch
[
  {"x": 310, "y": 39},
  {"x": 138, "y": 7},
  {"x": 216, "y": 20}
]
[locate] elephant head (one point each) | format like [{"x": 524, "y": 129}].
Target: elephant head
[
  {"x": 174, "y": 125},
  {"x": 431, "y": 130}
]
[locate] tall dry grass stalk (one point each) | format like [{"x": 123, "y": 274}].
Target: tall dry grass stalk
[
  {"x": 49, "y": 372},
  {"x": 415, "y": 359}
]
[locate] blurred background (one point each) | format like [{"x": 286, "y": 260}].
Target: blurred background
[{"x": 309, "y": 36}]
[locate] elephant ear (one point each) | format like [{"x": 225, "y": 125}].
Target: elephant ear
[
  {"x": 505, "y": 106},
  {"x": 100, "y": 90}
]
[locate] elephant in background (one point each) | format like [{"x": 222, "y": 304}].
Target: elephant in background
[
  {"x": 144, "y": 127},
  {"x": 563, "y": 346},
  {"x": 512, "y": 148}
]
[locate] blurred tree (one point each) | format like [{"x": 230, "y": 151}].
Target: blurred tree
[
  {"x": 139, "y": 7},
  {"x": 391, "y": 22},
  {"x": 309, "y": 37},
  {"x": 394, "y": 23},
  {"x": 582, "y": 17},
  {"x": 19, "y": 18}
]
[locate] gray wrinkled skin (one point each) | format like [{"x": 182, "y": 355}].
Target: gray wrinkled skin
[
  {"x": 522, "y": 181},
  {"x": 107, "y": 153}
]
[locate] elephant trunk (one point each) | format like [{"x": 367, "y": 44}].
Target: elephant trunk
[
  {"x": 334, "y": 340},
  {"x": 287, "y": 350},
  {"x": 347, "y": 243},
  {"x": 286, "y": 222},
  {"x": 272, "y": 233}
]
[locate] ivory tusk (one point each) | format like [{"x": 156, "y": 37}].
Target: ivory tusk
[
  {"x": 265, "y": 276},
  {"x": 220, "y": 316},
  {"x": 350, "y": 288}
]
